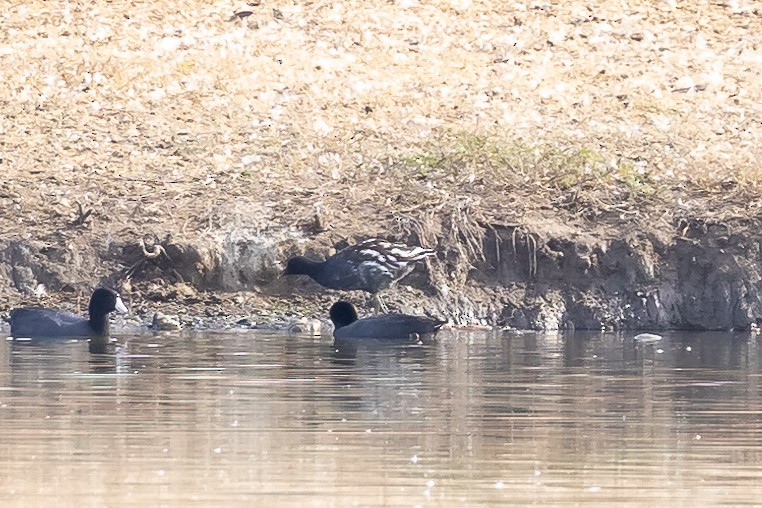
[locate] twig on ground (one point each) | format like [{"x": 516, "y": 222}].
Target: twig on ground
[{"x": 82, "y": 215}]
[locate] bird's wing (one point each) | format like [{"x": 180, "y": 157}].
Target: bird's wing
[
  {"x": 389, "y": 326},
  {"x": 394, "y": 251},
  {"x": 394, "y": 257},
  {"x": 371, "y": 265},
  {"x": 380, "y": 262},
  {"x": 358, "y": 266},
  {"x": 408, "y": 253}
]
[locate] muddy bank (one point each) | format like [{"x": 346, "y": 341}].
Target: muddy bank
[
  {"x": 549, "y": 276},
  {"x": 704, "y": 279},
  {"x": 613, "y": 183}
]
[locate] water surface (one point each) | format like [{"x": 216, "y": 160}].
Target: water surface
[{"x": 472, "y": 419}]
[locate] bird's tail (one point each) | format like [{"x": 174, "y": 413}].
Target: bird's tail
[
  {"x": 412, "y": 253},
  {"x": 439, "y": 323}
]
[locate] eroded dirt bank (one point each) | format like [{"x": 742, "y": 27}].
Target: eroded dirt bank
[
  {"x": 573, "y": 164},
  {"x": 543, "y": 275}
]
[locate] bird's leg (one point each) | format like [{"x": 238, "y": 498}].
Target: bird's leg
[{"x": 379, "y": 305}]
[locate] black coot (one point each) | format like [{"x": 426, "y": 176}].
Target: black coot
[
  {"x": 39, "y": 323},
  {"x": 389, "y": 326}
]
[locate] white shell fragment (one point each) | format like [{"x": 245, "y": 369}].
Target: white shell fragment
[{"x": 647, "y": 337}]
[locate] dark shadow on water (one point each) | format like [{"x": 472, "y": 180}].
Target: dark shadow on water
[
  {"x": 94, "y": 346},
  {"x": 102, "y": 363},
  {"x": 346, "y": 351},
  {"x": 712, "y": 350}
]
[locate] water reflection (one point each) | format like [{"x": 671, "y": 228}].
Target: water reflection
[{"x": 472, "y": 418}]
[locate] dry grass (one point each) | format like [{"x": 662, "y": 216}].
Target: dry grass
[{"x": 176, "y": 119}]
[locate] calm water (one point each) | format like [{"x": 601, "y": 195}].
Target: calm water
[{"x": 472, "y": 419}]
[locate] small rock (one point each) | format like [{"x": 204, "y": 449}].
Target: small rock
[
  {"x": 647, "y": 337},
  {"x": 165, "y": 322},
  {"x": 246, "y": 322},
  {"x": 39, "y": 291},
  {"x": 183, "y": 290},
  {"x": 305, "y": 325},
  {"x": 240, "y": 15},
  {"x": 272, "y": 324}
]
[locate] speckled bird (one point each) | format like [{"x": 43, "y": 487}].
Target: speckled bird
[{"x": 372, "y": 266}]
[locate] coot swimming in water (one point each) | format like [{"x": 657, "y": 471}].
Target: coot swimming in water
[
  {"x": 37, "y": 322},
  {"x": 389, "y": 326}
]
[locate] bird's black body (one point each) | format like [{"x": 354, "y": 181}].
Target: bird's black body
[
  {"x": 36, "y": 322},
  {"x": 372, "y": 265},
  {"x": 389, "y": 326}
]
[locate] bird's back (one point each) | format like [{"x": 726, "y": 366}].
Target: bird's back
[
  {"x": 32, "y": 322},
  {"x": 374, "y": 264},
  {"x": 389, "y": 326}
]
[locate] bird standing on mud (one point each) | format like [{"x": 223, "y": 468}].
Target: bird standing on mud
[{"x": 372, "y": 266}]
